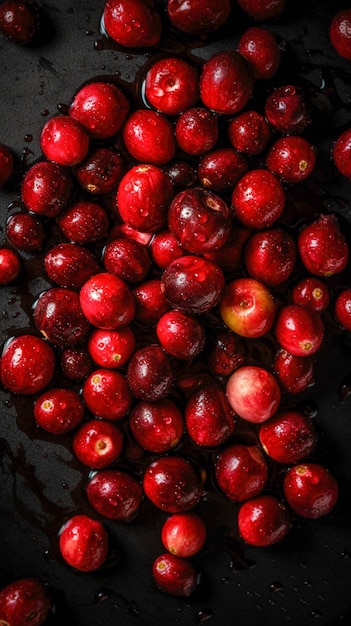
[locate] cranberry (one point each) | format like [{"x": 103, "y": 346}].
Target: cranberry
[
  {"x": 25, "y": 232},
  {"x": 6, "y": 164},
  {"x": 226, "y": 82},
  {"x": 19, "y": 21},
  {"x": 127, "y": 259},
  {"x": 132, "y": 23},
  {"x": 114, "y": 494},
  {"x": 172, "y": 483},
  {"x": 101, "y": 171},
  {"x": 101, "y": 108},
  {"x": 260, "y": 48},
  {"x": 183, "y": 534},
  {"x": 148, "y": 137},
  {"x": 341, "y": 153},
  {"x": 150, "y": 301},
  {"x": 295, "y": 373},
  {"x": 221, "y": 169},
  {"x": 75, "y": 364},
  {"x": 180, "y": 334},
  {"x": 342, "y": 308},
  {"x": 311, "y": 292},
  {"x": 196, "y": 131},
  {"x": 299, "y": 329},
  {"x": 263, "y": 521},
  {"x": 193, "y": 284},
  {"x": 288, "y": 437},
  {"x": 181, "y": 174},
  {"x": 209, "y": 418},
  {"x": 25, "y": 601},
  {"x": 198, "y": 16},
  {"x": 64, "y": 141},
  {"x": 27, "y": 364},
  {"x": 149, "y": 373},
  {"x": 165, "y": 248},
  {"x": 83, "y": 543},
  {"x": 253, "y": 393},
  {"x": 84, "y": 222},
  {"x": 248, "y": 307},
  {"x": 291, "y": 158},
  {"x": 111, "y": 348},
  {"x": 156, "y": 426},
  {"x": 10, "y": 265},
  {"x": 106, "y": 394},
  {"x": 340, "y": 33},
  {"x": 262, "y": 9},
  {"x": 241, "y": 471},
  {"x": 171, "y": 85},
  {"x": 106, "y": 301},
  {"x": 270, "y": 256},
  {"x": 58, "y": 315},
  {"x": 226, "y": 353},
  {"x": 174, "y": 575},
  {"x": 323, "y": 247},
  {"x": 97, "y": 443},
  {"x": 229, "y": 257},
  {"x": 286, "y": 110},
  {"x": 249, "y": 133},
  {"x": 70, "y": 265},
  {"x": 59, "y": 410},
  {"x": 46, "y": 188},
  {"x": 310, "y": 490},
  {"x": 258, "y": 199},
  {"x": 143, "y": 197}
]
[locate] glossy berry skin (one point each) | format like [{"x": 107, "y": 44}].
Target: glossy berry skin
[
  {"x": 106, "y": 394},
  {"x": 19, "y": 21},
  {"x": 84, "y": 222},
  {"x": 83, "y": 543},
  {"x": 196, "y": 131},
  {"x": 10, "y": 265},
  {"x": 226, "y": 353},
  {"x": 171, "y": 86},
  {"x": 149, "y": 373},
  {"x": 229, "y": 256},
  {"x": 312, "y": 292},
  {"x": 75, "y": 364},
  {"x": 341, "y": 153},
  {"x": 262, "y": 9},
  {"x": 172, "y": 484},
  {"x": 310, "y": 490},
  {"x": 220, "y": 170},
  {"x": 6, "y": 164},
  {"x": 148, "y": 137},
  {"x": 249, "y": 132},
  {"x": 263, "y": 521},
  {"x": 111, "y": 348},
  {"x": 114, "y": 494},
  {"x": 150, "y": 301},
  {"x": 64, "y": 141},
  {"x": 101, "y": 108},
  {"x": 241, "y": 471},
  {"x": 46, "y": 188},
  {"x": 342, "y": 308},
  {"x": 156, "y": 426},
  {"x": 288, "y": 437},
  {"x": 198, "y": 16},
  {"x": 25, "y": 232},
  {"x": 226, "y": 82},
  {"x": 25, "y": 601},
  {"x": 193, "y": 284},
  {"x": 248, "y": 307},
  {"x": 270, "y": 256},
  {"x": 101, "y": 171},
  {"x": 291, "y": 158},
  {"x": 132, "y": 23},
  {"x": 107, "y": 302},
  {"x": 260, "y": 48},
  {"x": 174, "y": 575},
  {"x": 165, "y": 248},
  {"x": 143, "y": 197},
  {"x": 253, "y": 393},
  {"x": 323, "y": 247},
  {"x": 127, "y": 259},
  {"x": 340, "y": 33},
  {"x": 294, "y": 373},
  {"x": 209, "y": 418},
  {"x": 97, "y": 443},
  {"x": 183, "y": 534},
  {"x": 27, "y": 364},
  {"x": 286, "y": 110},
  {"x": 58, "y": 315},
  {"x": 180, "y": 334},
  {"x": 59, "y": 410},
  {"x": 181, "y": 173},
  {"x": 258, "y": 199},
  {"x": 70, "y": 265},
  {"x": 299, "y": 329}
]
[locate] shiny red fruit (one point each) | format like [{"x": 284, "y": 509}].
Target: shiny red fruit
[
  {"x": 241, "y": 471},
  {"x": 288, "y": 437},
  {"x": 58, "y": 315},
  {"x": 183, "y": 534},
  {"x": 310, "y": 490},
  {"x": 196, "y": 130},
  {"x": 342, "y": 308},
  {"x": 101, "y": 171},
  {"x": 248, "y": 307},
  {"x": 6, "y": 164},
  {"x": 83, "y": 543},
  {"x": 106, "y": 394},
  {"x": 27, "y": 364},
  {"x": 173, "y": 484},
  {"x": 323, "y": 247},
  {"x": 70, "y": 265},
  {"x": 150, "y": 301},
  {"x": 291, "y": 158},
  {"x": 249, "y": 132},
  {"x": 258, "y": 199},
  {"x": 196, "y": 17},
  {"x": 260, "y": 48},
  {"x": 10, "y": 265},
  {"x": 128, "y": 259},
  {"x": 132, "y": 23},
  {"x": 286, "y": 110},
  {"x": 84, "y": 222},
  {"x": 148, "y": 136},
  {"x": 180, "y": 334},
  {"x": 59, "y": 410},
  {"x": 25, "y": 601},
  {"x": 101, "y": 108},
  {"x": 174, "y": 575},
  {"x": 114, "y": 494},
  {"x": 19, "y": 21},
  {"x": 263, "y": 521},
  {"x": 226, "y": 82},
  {"x": 312, "y": 292},
  {"x": 149, "y": 373},
  {"x": 270, "y": 256},
  {"x": 262, "y": 9},
  {"x": 171, "y": 86},
  {"x": 209, "y": 418},
  {"x": 299, "y": 329},
  {"x": 220, "y": 170},
  {"x": 156, "y": 426},
  {"x": 253, "y": 393},
  {"x": 341, "y": 153},
  {"x": 25, "y": 232},
  {"x": 64, "y": 141},
  {"x": 106, "y": 301},
  {"x": 294, "y": 373},
  {"x": 340, "y": 33},
  {"x": 111, "y": 348},
  {"x": 46, "y": 188},
  {"x": 97, "y": 443}
]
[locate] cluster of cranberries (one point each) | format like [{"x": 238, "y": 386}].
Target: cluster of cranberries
[{"x": 165, "y": 233}]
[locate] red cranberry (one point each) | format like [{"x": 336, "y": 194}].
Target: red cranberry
[
  {"x": 19, "y": 21},
  {"x": 58, "y": 315},
  {"x": 25, "y": 232},
  {"x": 84, "y": 222},
  {"x": 311, "y": 292},
  {"x": 143, "y": 197},
  {"x": 111, "y": 348},
  {"x": 106, "y": 394},
  {"x": 241, "y": 471},
  {"x": 10, "y": 265},
  {"x": 260, "y": 48},
  {"x": 148, "y": 137},
  {"x": 270, "y": 256},
  {"x": 6, "y": 164},
  {"x": 258, "y": 199},
  {"x": 156, "y": 426},
  {"x": 171, "y": 85},
  {"x": 27, "y": 364},
  {"x": 196, "y": 131},
  {"x": 132, "y": 23},
  {"x": 193, "y": 284},
  {"x": 299, "y": 329},
  {"x": 174, "y": 575},
  {"x": 262, "y": 9},
  {"x": 198, "y": 16},
  {"x": 323, "y": 247},
  {"x": 59, "y": 410},
  {"x": 165, "y": 248},
  {"x": 340, "y": 33},
  {"x": 97, "y": 443},
  {"x": 253, "y": 393},
  {"x": 183, "y": 534},
  {"x": 180, "y": 334},
  {"x": 46, "y": 188},
  {"x": 64, "y": 141},
  {"x": 221, "y": 169},
  {"x": 226, "y": 82},
  {"x": 209, "y": 418},
  {"x": 150, "y": 301},
  {"x": 114, "y": 494},
  {"x": 127, "y": 259},
  {"x": 106, "y": 301},
  {"x": 341, "y": 153},
  {"x": 286, "y": 110},
  {"x": 25, "y": 601},
  {"x": 226, "y": 353},
  {"x": 249, "y": 133},
  {"x": 342, "y": 308},
  {"x": 248, "y": 307},
  {"x": 101, "y": 171},
  {"x": 149, "y": 373},
  {"x": 75, "y": 363},
  {"x": 295, "y": 373},
  {"x": 101, "y": 108},
  {"x": 310, "y": 490},
  {"x": 172, "y": 484},
  {"x": 263, "y": 521},
  {"x": 229, "y": 257},
  {"x": 83, "y": 543},
  {"x": 288, "y": 437},
  {"x": 70, "y": 265},
  {"x": 291, "y": 158}
]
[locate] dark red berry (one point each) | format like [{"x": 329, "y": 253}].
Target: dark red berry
[
  {"x": 295, "y": 373},
  {"x": 299, "y": 329},
  {"x": 286, "y": 110},
  {"x": 111, "y": 348},
  {"x": 171, "y": 86},
  {"x": 258, "y": 199},
  {"x": 209, "y": 418},
  {"x": 59, "y": 410},
  {"x": 84, "y": 222},
  {"x": 27, "y": 364},
  {"x": 341, "y": 153},
  {"x": 46, "y": 188},
  {"x": 101, "y": 108},
  {"x": 183, "y": 534},
  {"x": 291, "y": 158},
  {"x": 150, "y": 301},
  {"x": 311, "y": 291},
  {"x": 75, "y": 363},
  {"x": 114, "y": 494},
  {"x": 70, "y": 265},
  {"x": 342, "y": 308},
  {"x": 181, "y": 335},
  {"x": 83, "y": 543},
  {"x": 226, "y": 353},
  {"x": 323, "y": 247},
  {"x": 198, "y": 16},
  {"x": 174, "y": 575},
  {"x": 156, "y": 426},
  {"x": 263, "y": 521},
  {"x": 10, "y": 265},
  {"x": 262, "y": 9},
  {"x": 106, "y": 394},
  {"x": 288, "y": 437},
  {"x": 270, "y": 256},
  {"x": 148, "y": 136},
  {"x": 101, "y": 171},
  {"x": 19, "y": 21},
  {"x": 127, "y": 259},
  {"x": 173, "y": 484},
  {"x": 58, "y": 315},
  {"x": 6, "y": 164},
  {"x": 260, "y": 48},
  {"x": 226, "y": 82},
  {"x": 149, "y": 373},
  {"x": 25, "y": 601},
  {"x": 340, "y": 33},
  {"x": 221, "y": 169},
  {"x": 106, "y": 301},
  {"x": 165, "y": 248},
  {"x": 97, "y": 443},
  {"x": 196, "y": 131},
  {"x": 249, "y": 132},
  {"x": 25, "y": 232},
  {"x": 310, "y": 490},
  {"x": 132, "y": 23},
  {"x": 241, "y": 471},
  {"x": 64, "y": 141}
]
